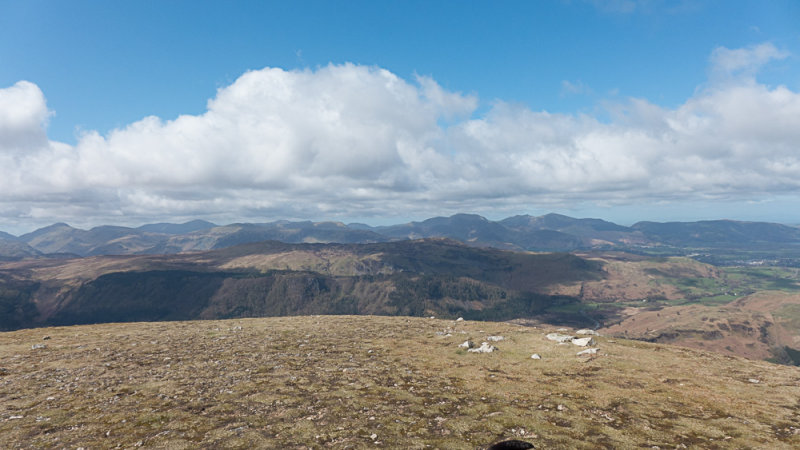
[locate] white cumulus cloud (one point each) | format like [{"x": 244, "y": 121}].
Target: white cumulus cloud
[
  {"x": 23, "y": 117},
  {"x": 744, "y": 61},
  {"x": 353, "y": 141}
]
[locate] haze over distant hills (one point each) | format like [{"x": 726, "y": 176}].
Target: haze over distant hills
[{"x": 551, "y": 232}]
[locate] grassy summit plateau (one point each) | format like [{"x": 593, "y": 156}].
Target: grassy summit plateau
[{"x": 366, "y": 381}]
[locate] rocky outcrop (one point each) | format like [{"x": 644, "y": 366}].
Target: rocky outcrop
[
  {"x": 484, "y": 348},
  {"x": 583, "y": 342},
  {"x": 560, "y": 338},
  {"x": 467, "y": 344}
]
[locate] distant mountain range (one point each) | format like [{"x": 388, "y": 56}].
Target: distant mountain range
[{"x": 551, "y": 232}]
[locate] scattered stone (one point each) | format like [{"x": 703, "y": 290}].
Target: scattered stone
[
  {"x": 15, "y": 417},
  {"x": 495, "y": 338},
  {"x": 3, "y": 371},
  {"x": 561, "y": 407},
  {"x": 373, "y": 436},
  {"x": 46, "y": 338},
  {"x": 484, "y": 348},
  {"x": 560, "y": 338},
  {"x": 460, "y": 319},
  {"x": 535, "y": 356},
  {"x": 583, "y": 342},
  {"x": 563, "y": 329},
  {"x": 754, "y": 381},
  {"x": 588, "y": 352},
  {"x": 38, "y": 346},
  {"x": 467, "y": 344},
  {"x": 587, "y": 331}
]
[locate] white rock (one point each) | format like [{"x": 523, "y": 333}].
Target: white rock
[
  {"x": 535, "y": 356},
  {"x": 589, "y": 332},
  {"x": 583, "y": 342},
  {"x": 467, "y": 344},
  {"x": 460, "y": 319},
  {"x": 373, "y": 436},
  {"x": 559, "y": 337},
  {"x": 588, "y": 351},
  {"x": 484, "y": 348},
  {"x": 754, "y": 381},
  {"x": 494, "y": 338},
  {"x": 563, "y": 329},
  {"x": 38, "y": 346}
]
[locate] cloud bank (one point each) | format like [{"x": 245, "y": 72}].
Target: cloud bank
[{"x": 352, "y": 141}]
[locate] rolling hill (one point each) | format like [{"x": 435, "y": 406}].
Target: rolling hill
[
  {"x": 416, "y": 278},
  {"x": 635, "y": 296}
]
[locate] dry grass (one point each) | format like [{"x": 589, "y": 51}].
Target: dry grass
[{"x": 364, "y": 382}]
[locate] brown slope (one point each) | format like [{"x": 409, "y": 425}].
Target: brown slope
[{"x": 758, "y": 326}]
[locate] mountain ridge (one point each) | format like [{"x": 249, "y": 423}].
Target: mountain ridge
[{"x": 550, "y": 232}]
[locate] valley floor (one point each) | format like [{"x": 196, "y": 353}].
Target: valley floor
[{"x": 366, "y": 381}]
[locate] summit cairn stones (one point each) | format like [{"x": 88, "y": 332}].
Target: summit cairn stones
[
  {"x": 583, "y": 342},
  {"x": 587, "y": 332},
  {"x": 588, "y": 352},
  {"x": 560, "y": 338},
  {"x": 484, "y": 348}
]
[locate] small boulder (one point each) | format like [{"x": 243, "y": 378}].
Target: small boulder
[
  {"x": 484, "y": 348},
  {"x": 560, "y": 338},
  {"x": 583, "y": 342},
  {"x": 460, "y": 319},
  {"x": 535, "y": 356},
  {"x": 495, "y": 338},
  {"x": 588, "y": 352},
  {"x": 38, "y": 346},
  {"x": 467, "y": 344}
]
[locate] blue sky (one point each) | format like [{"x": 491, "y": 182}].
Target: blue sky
[{"x": 588, "y": 81}]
